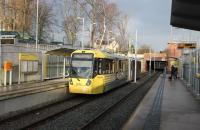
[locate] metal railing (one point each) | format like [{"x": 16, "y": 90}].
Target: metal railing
[
  {"x": 190, "y": 70},
  {"x": 41, "y": 47},
  {"x": 50, "y": 68}
]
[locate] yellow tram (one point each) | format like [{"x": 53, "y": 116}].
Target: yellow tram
[{"x": 95, "y": 71}]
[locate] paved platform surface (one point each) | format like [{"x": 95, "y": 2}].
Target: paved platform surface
[
  {"x": 16, "y": 90},
  {"x": 179, "y": 109},
  {"x": 24, "y": 96}
]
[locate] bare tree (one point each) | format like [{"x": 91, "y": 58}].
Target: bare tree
[
  {"x": 71, "y": 11},
  {"x": 102, "y": 13},
  {"x": 27, "y": 10},
  {"x": 112, "y": 15},
  {"x": 16, "y": 15},
  {"x": 95, "y": 11},
  {"x": 45, "y": 20},
  {"x": 123, "y": 37}
]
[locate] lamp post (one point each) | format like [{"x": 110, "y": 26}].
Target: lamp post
[
  {"x": 0, "y": 53},
  {"x": 135, "y": 75},
  {"x": 37, "y": 21},
  {"x": 83, "y": 28},
  {"x": 150, "y": 61},
  {"x": 91, "y": 28},
  {"x": 154, "y": 63}
]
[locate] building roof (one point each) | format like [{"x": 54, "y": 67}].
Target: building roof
[
  {"x": 61, "y": 52},
  {"x": 102, "y": 54}
]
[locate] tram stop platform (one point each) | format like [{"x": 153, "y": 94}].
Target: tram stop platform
[
  {"x": 17, "y": 90},
  {"x": 167, "y": 106}
]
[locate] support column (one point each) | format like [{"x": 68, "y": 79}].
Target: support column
[
  {"x": 43, "y": 67},
  {"x": 57, "y": 66},
  {"x": 190, "y": 69},
  {"x": 64, "y": 67},
  {"x": 5, "y": 77},
  {"x": 197, "y": 70},
  {"x": 10, "y": 77},
  {"x": 150, "y": 63},
  {"x": 19, "y": 72},
  {"x": 135, "y": 74}
]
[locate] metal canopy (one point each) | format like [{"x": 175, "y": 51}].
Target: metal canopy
[
  {"x": 186, "y": 14},
  {"x": 60, "y": 51}
]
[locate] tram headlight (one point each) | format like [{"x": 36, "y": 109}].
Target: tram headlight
[
  {"x": 71, "y": 82},
  {"x": 88, "y": 82}
]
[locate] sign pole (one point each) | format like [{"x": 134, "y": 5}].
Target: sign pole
[
  {"x": 10, "y": 78},
  {"x": 7, "y": 67},
  {"x": 19, "y": 73},
  {"x": 5, "y": 77}
]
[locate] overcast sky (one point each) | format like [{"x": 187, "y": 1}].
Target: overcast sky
[{"x": 151, "y": 18}]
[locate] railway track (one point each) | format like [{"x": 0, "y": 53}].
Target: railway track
[
  {"x": 29, "y": 120},
  {"x": 31, "y": 117},
  {"x": 96, "y": 122},
  {"x": 86, "y": 114},
  {"x": 39, "y": 88}
]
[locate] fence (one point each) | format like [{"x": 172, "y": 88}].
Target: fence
[
  {"x": 26, "y": 70},
  {"x": 190, "y": 69},
  {"x": 55, "y": 66}
]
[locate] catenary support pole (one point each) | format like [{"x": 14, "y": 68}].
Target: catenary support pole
[
  {"x": 1, "y": 70},
  {"x": 64, "y": 67},
  {"x": 135, "y": 75},
  {"x": 10, "y": 77},
  {"x": 37, "y": 22},
  {"x": 150, "y": 61}
]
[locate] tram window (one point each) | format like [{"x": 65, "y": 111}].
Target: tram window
[
  {"x": 113, "y": 66},
  {"x": 111, "y": 63},
  {"x": 96, "y": 67},
  {"x": 119, "y": 64},
  {"x": 109, "y": 70},
  {"x": 104, "y": 66},
  {"x": 122, "y": 66},
  {"x": 100, "y": 68},
  {"x": 107, "y": 66}
]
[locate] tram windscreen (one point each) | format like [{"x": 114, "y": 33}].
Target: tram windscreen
[{"x": 81, "y": 66}]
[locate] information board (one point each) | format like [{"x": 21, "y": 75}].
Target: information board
[{"x": 186, "y": 45}]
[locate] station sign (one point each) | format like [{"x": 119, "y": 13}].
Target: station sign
[
  {"x": 7, "y": 65},
  {"x": 187, "y": 45},
  {"x": 28, "y": 56},
  {"x": 29, "y": 62}
]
